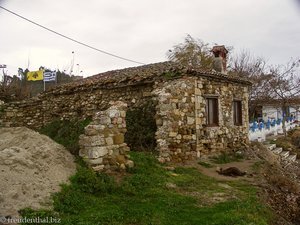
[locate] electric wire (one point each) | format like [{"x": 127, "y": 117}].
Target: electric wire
[{"x": 69, "y": 38}]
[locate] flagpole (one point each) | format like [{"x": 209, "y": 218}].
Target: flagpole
[{"x": 44, "y": 81}]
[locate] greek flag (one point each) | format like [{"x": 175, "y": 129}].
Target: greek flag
[{"x": 50, "y": 76}]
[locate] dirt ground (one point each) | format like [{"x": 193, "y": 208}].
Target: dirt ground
[
  {"x": 31, "y": 168},
  {"x": 245, "y": 166},
  {"x": 278, "y": 183}
]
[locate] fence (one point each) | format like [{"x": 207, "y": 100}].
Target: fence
[{"x": 259, "y": 130}]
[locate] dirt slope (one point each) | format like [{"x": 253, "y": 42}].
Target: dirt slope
[{"x": 31, "y": 168}]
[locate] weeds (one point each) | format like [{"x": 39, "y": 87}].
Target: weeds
[
  {"x": 227, "y": 158},
  {"x": 66, "y": 132},
  {"x": 171, "y": 75},
  {"x": 205, "y": 164}
]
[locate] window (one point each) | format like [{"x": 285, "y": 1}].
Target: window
[
  {"x": 212, "y": 112},
  {"x": 237, "y": 113}
]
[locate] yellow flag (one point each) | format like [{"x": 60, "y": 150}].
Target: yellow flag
[{"x": 35, "y": 75}]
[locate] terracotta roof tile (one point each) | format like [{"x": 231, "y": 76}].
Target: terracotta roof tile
[{"x": 140, "y": 74}]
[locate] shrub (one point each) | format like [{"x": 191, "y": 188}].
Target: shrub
[
  {"x": 141, "y": 127},
  {"x": 66, "y": 132}
]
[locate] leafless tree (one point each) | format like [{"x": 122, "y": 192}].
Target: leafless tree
[
  {"x": 285, "y": 85},
  {"x": 245, "y": 65}
]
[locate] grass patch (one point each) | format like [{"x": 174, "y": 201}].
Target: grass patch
[
  {"x": 224, "y": 158},
  {"x": 66, "y": 132},
  {"x": 143, "y": 198},
  {"x": 205, "y": 164}
]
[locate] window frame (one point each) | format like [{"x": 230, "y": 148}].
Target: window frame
[
  {"x": 237, "y": 114},
  {"x": 215, "y": 111}
]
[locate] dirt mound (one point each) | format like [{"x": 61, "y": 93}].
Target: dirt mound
[{"x": 31, "y": 168}]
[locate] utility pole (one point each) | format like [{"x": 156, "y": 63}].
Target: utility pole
[{"x": 72, "y": 63}]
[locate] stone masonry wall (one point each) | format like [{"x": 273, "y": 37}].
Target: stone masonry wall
[
  {"x": 176, "y": 129},
  {"x": 36, "y": 112},
  {"x": 181, "y": 118},
  {"x": 102, "y": 144},
  {"x": 226, "y": 135}
]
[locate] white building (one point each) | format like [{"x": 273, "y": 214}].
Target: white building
[{"x": 272, "y": 111}]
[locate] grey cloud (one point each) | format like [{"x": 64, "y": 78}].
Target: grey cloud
[{"x": 144, "y": 30}]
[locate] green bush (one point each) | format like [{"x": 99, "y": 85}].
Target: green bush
[
  {"x": 66, "y": 132},
  {"x": 141, "y": 128}
]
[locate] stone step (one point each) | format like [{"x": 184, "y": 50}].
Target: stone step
[
  {"x": 260, "y": 139},
  {"x": 284, "y": 154},
  {"x": 292, "y": 158},
  {"x": 280, "y": 132},
  {"x": 277, "y": 151},
  {"x": 271, "y": 146}
]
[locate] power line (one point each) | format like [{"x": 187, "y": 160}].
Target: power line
[{"x": 69, "y": 38}]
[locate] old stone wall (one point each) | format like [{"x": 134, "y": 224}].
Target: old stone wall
[
  {"x": 226, "y": 135},
  {"x": 183, "y": 133},
  {"x": 176, "y": 129},
  {"x": 36, "y": 112},
  {"x": 102, "y": 145}
]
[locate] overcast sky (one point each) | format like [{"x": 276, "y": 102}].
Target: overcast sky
[{"x": 142, "y": 30}]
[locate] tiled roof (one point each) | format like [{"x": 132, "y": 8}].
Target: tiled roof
[{"x": 141, "y": 74}]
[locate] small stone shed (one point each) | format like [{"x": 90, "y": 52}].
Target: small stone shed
[{"x": 198, "y": 112}]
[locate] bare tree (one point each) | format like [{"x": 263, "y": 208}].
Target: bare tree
[
  {"x": 285, "y": 85},
  {"x": 245, "y": 65},
  {"x": 191, "y": 53}
]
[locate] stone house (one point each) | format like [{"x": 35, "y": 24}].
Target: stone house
[{"x": 198, "y": 112}]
